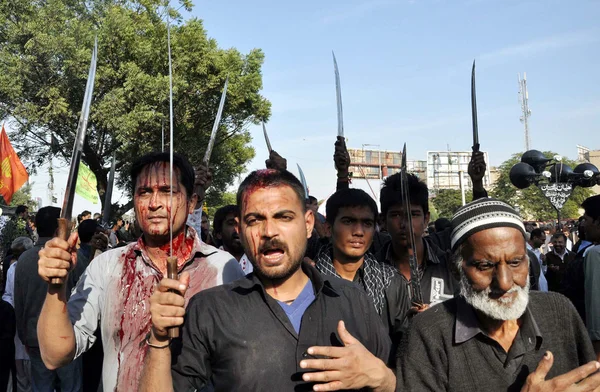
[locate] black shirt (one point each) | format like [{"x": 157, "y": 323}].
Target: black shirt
[
  {"x": 437, "y": 282},
  {"x": 238, "y": 338}
]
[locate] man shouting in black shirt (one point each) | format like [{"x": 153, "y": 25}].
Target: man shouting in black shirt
[{"x": 284, "y": 327}]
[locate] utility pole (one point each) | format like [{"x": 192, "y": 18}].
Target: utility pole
[{"x": 524, "y": 101}]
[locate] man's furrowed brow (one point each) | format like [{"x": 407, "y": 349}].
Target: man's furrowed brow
[
  {"x": 281, "y": 213},
  {"x": 253, "y": 215}
]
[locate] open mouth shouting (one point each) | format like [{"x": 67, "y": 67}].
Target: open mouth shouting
[{"x": 272, "y": 253}]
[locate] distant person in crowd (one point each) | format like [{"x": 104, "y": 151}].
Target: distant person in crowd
[
  {"x": 442, "y": 224},
  {"x": 226, "y": 227},
  {"x": 437, "y": 283},
  {"x": 557, "y": 261},
  {"x": 582, "y": 243},
  {"x": 30, "y": 291},
  {"x": 591, "y": 205},
  {"x": 496, "y": 335},
  {"x": 536, "y": 240},
  {"x": 21, "y": 376},
  {"x": 86, "y": 215}
]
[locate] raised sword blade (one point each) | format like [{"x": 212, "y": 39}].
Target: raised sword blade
[{"x": 213, "y": 134}]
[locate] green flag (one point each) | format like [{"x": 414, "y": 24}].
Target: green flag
[{"x": 86, "y": 184}]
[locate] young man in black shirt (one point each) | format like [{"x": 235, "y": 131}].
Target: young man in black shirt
[
  {"x": 437, "y": 283},
  {"x": 351, "y": 216},
  {"x": 276, "y": 328}
]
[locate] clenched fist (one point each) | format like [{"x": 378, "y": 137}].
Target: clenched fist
[
  {"x": 276, "y": 161},
  {"x": 167, "y": 308},
  {"x": 341, "y": 157},
  {"x": 203, "y": 180},
  {"x": 57, "y": 258}
]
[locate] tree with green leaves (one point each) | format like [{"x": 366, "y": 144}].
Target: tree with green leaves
[
  {"x": 23, "y": 197},
  {"x": 530, "y": 201},
  {"x": 45, "y": 50},
  {"x": 447, "y": 201}
]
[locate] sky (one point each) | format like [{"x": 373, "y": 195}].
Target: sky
[{"x": 405, "y": 71}]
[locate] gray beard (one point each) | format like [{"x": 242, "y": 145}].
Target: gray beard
[{"x": 497, "y": 309}]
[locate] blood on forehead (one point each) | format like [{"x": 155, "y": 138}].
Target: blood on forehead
[
  {"x": 263, "y": 181},
  {"x": 156, "y": 175}
]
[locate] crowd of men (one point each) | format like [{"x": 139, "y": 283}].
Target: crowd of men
[{"x": 279, "y": 297}]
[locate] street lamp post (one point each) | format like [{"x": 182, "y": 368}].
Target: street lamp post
[{"x": 555, "y": 179}]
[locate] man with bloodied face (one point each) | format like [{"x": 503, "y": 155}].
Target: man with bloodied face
[
  {"x": 114, "y": 291},
  {"x": 283, "y": 327}
]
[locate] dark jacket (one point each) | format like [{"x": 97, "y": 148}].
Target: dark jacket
[
  {"x": 555, "y": 277},
  {"x": 534, "y": 271},
  {"x": 30, "y": 293}
]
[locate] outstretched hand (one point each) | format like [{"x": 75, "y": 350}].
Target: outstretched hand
[{"x": 584, "y": 378}]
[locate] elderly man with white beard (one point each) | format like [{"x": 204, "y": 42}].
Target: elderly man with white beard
[{"x": 496, "y": 335}]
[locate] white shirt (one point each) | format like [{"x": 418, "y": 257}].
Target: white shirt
[
  {"x": 195, "y": 220},
  {"x": 245, "y": 263},
  {"x": 113, "y": 294}
]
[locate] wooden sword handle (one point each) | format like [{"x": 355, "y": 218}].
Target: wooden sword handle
[
  {"x": 64, "y": 229},
  {"x": 172, "y": 274}
]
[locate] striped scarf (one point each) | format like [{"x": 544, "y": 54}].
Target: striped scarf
[{"x": 376, "y": 276}]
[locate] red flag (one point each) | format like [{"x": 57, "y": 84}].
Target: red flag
[{"x": 12, "y": 172}]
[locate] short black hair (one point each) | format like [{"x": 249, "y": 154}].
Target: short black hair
[
  {"x": 86, "y": 212},
  {"x": 350, "y": 197},
  {"x": 391, "y": 192},
  {"x": 204, "y": 213},
  {"x": 537, "y": 233},
  {"x": 186, "y": 170},
  {"x": 441, "y": 224},
  {"x": 46, "y": 221},
  {"x": 591, "y": 205},
  {"x": 21, "y": 209},
  {"x": 221, "y": 214},
  {"x": 87, "y": 229},
  {"x": 559, "y": 234},
  {"x": 312, "y": 199},
  {"x": 270, "y": 178}
]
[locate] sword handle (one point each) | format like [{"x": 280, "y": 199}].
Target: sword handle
[
  {"x": 63, "y": 231},
  {"x": 172, "y": 274}
]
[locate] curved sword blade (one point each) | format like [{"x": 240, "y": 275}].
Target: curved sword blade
[
  {"x": 213, "y": 134},
  {"x": 266, "y": 137},
  {"x": 474, "y": 110},
  {"x": 67, "y": 207},
  {"x": 338, "y": 94},
  {"x": 303, "y": 180}
]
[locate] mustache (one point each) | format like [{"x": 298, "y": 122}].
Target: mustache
[{"x": 272, "y": 244}]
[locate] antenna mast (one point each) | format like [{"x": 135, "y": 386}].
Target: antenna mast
[{"x": 524, "y": 101}]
